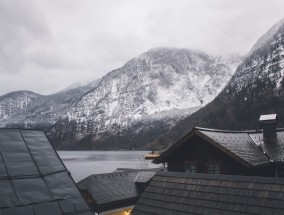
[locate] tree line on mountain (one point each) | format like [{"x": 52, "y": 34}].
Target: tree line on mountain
[{"x": 235, "y": 110}]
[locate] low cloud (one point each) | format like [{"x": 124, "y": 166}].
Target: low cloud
[{"x": 48, "y": 45}]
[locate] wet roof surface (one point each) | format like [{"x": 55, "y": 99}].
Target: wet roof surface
[
  {"x": 239, "y": 144},
  {"x": 274, "y": 149},
  {"x": 33, "y": 179},
  {"x": 246, "y": 146},
  {"x": 144, "y": 176},
  {"x": 110, "y": 187},
  {"x": 116, "y": 186},
  {"x": 184, "y": 194}
]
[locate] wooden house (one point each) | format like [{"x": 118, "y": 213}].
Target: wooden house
[{"x": 259, "y": 153}]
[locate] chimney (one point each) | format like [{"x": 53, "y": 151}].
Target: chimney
[{"x": 268, "y": 125}]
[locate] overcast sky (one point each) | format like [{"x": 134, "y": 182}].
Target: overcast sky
[{"x": 46, "y": 45}]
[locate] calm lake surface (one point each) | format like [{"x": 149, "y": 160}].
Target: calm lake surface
[{"x": 84, "y": 163}]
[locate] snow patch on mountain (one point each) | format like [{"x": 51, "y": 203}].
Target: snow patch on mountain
[
  {"x": 267, "y": 36},
  {"x": 160, "y": 80},
  {"x": 150, "y": 92},
  {"x": 15, "y": 102},
  {"x": 265, "y": 63}
]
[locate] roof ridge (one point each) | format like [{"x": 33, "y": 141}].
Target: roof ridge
[
  {"x": 224, "y": 131},
  {"x": 111, "y": 173},
  {"x": 239, "y": 178},
  {"x": 233, "y": 131}
]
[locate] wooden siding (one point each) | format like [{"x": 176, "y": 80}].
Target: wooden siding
[{"x": 203, "y": 153}]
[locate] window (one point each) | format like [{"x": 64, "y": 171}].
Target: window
[
  {"x": 190, "y": 166},
  {"x": 214, "y": 168}
]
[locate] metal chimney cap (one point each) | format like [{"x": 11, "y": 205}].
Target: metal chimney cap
[{"x": 268, "y": 117}]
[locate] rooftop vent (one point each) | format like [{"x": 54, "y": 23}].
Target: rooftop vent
[{"x": 268, "y": 125}]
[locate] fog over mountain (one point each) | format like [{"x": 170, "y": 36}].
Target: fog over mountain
[
  {"x": 87, "y": 73},
  {"x": 48, "y": 45}
]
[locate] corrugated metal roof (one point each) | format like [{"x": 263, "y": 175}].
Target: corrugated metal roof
[
  {"x": 185, "y": 194},
  {"x": 33, "y": 179}
]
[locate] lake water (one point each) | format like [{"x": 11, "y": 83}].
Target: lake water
[{"x": 84, "y": 163}]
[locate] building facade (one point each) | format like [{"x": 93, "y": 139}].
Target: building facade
[{"x": 259, "y": 153}]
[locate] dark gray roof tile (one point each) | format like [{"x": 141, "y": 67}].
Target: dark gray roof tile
[
  {"x": 116, "y": 186},
  {"x": 33, "y": 179},
  {"x": 28, "y": 210},
  {"x": 239, "y": 144},
  {"x": 225, "y": 195},
  {"x": 247, "y": 147},
  {"x": 144, "y": 176},
  {"x": 42, "y": 151}
]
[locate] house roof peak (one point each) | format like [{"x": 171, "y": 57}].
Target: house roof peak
[
  {"x": 223, "y": 131},
  {"x": 247, "y": 147}
]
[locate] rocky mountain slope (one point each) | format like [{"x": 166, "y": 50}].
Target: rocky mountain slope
[
  {"x": 14, "y": 103},
  {"x": 150, "y": 92},
  {"x": 25, "y": 108},
  {"x": 131, "y": 106},
  {"x": 256, "y": 88}
]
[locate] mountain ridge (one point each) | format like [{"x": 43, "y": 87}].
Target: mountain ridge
[
  {"x": 256, "y": 88},
  {"x": 157, "y": 88}
]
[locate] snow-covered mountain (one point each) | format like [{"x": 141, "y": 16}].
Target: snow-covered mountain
[
  {"x": 14, "y": 103},
  {"x": 159, "y": 80},
  {"x": 256, "y": 88},
  {"x": 268, "y": 37},
  {"x": 26, "y": 108},
  {"x": 162, "y": 85},
  {"x": 149, "y": 93}
]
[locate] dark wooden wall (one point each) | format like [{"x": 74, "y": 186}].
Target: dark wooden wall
[{"x": 202, "y": 152}]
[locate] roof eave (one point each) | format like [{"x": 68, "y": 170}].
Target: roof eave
[
  {"x": 164, "y": 155},
  {"x": 98, "y": 208}
]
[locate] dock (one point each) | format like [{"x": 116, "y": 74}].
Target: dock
[{"x": 151, "y": 156}]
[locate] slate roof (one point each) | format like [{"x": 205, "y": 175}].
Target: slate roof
[
  {"x": 247, "y": 147},
  {"x": 144, "y": 176},
  {"x": 33, "y": 179},
  {"x": 171, "y": 193},
  {"x": 120, "y": 186}
]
